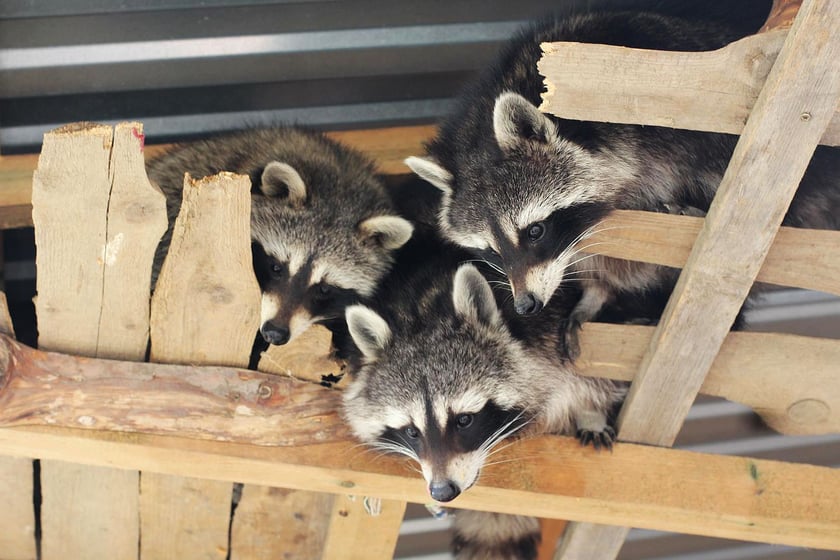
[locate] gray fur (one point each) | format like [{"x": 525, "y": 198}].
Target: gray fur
[{"x": 316, "y": 206}]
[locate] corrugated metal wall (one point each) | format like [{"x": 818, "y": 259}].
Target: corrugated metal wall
[{"x": 190, "y": 67}]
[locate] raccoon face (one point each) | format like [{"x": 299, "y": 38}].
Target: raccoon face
[
  {"x": 530, "y": 209},
  {"x": 309, "y": 270},
  {"x": 444, "y": 396}
]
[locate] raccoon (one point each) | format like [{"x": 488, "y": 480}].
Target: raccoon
[
  {"x": 323, "y": 227},
  {"x": 525, "y": 190},
  {"x": 445, "y": 370}
]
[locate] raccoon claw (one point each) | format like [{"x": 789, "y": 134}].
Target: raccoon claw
[
  {"x": 683, "y": 210},
  {"x": 604, "y": 438}
]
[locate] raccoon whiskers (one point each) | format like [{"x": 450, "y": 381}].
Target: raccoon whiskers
[
  {"x": 395, "y": 447},
  {"x": 506, "y": 430},
  {"x": 495, "y": 267}
]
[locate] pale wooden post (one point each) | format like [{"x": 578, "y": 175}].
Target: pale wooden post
[
  {"x": 205, "y": 309},
  {"x": 83, "y": 169},
  {"x": 792, "y": 112}
]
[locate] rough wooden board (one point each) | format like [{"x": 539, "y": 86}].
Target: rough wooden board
[
  {"x": 136, "y": 222},
  {"x": 204, "y": 537},
  {"x": 217, "y": 403},
  {"x": 278, "y": 524},
  {"x": 84, "y": 513},
  {"x": 201, "y": 311},
  {"x": 363, "y": 528},
  {"x": 17, "y": 516},
  {"x": 797, "y": 101},
  {"x": 205, "y": 309},
  {"x": 710, "y": 91},
  {"x": 754, "y": 369},
  {"x": 801, "y": 258},
  {"x": 723, "y": 496},
  {"x": 578, "y": 544},
  {"x": 88, "y": 512},
  {"x": 306, "y": 357}
]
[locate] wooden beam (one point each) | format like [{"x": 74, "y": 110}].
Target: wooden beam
[
  {"x": 796, "y": 103},
  {"x": 355, "y": 519},
  {"x": 713, "y": 91},
  {"x": 722, "y": 496}
]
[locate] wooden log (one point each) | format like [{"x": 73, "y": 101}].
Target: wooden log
[
  {"x": 796, "y": 103},
  {"x": 710, "y": 91},
  {"x": 83, "y": 170},
  {"x": 680, "y": 491},
  {"x": 355, "y": 519},
  {"x": 205, "y": 309}
]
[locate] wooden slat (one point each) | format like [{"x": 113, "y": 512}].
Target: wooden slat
[
  {"x": 388, "y": 146},
  {"x": 711, "y": 91},
  {"x": 274, "y": 522},
  {"x": 204, "y": 310},
  {"x": 800, "y": 258},
  {"x": 796, "y": 103},
  {"x": 84, "y": 168},
  {"x": 722, "y": 496},
  {"x": 306, "y": 357},
  {"x": 355, "y": 520}
]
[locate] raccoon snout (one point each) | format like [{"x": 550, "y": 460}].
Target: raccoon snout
[
  {"x": 527, "y": 304},
  {"x": 274, "y": 334},
  {"x": 444, "y": 491}
]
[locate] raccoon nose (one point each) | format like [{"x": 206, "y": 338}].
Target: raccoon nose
[
  {"x": 445, "y": 491},
  {"x": 274, "y": 334},
  {"x": 527, "y": 304}
]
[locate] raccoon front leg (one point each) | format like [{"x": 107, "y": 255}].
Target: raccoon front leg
[
  {"x": 480, "y": 535},
  {"x": 595, "y": 296},
  {"x": 593, "y": 427}
]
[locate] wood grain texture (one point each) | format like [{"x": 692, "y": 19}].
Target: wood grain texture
[
  {"x": 797, "y": 101},
  {"x": 781, "y": 14},
  {"x": 712, "y": 91},
  {"x": 205, "y": 309},
  {"x": 800, "y": 258},
  {"x": 722, "y": 496},
  {"x": 279, "y": 524},
  {"x": 582, "y": 541},
  {"x": 17, "y": 516},
  {"x": 308, "y": 356},
  {"x": 363, "y": 528},
  {"x": 80, "y": 169}
]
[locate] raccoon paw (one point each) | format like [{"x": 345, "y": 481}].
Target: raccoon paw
[
  {"x": 604, "y": 438},
  {"x": 679, "y": 210},
  {"x": 569, "y": 330}
]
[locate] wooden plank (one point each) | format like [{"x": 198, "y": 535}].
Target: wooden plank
[
  {"x": 712, "y": 91},
  {"x": 17, "y": 516},
  {"x": 355, "y": 519},
  {"x": 800, "y": 258},
  {"x": 552, "y": 530},
  {"x": 205, "y": 309},
  {"x": 274, "y": 522},
  {"x": 308, "y": 356},
  {"x": 672, "y": 490},
  {"x": 798, "y": 99},
  {"x": 387, "y": 146},
  {"x": 86, "y": 513}
]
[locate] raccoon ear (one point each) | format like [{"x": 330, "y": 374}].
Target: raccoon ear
[
  {"x": 391, "y": 232},
  {"x": 517, "y": 120},
  {"x": 370, "y": 332},
  {"x": 281, "y": 179},
  {"x": 433, "y": 172},
  {"x": 473, "y": 298}
]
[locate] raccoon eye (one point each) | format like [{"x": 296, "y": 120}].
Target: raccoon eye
[
  {"x": 412, "y": 432},
  {"x": 536, "y": 231},
  {"x": 323, "y": 291},
  {"x": 464, "y": 421},
  {"x": 277, "y": 270}
]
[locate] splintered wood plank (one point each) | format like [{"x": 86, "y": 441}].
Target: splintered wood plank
[
  {"x": 800, "y": 258},
  {"x": 17, "y": 516},
  {"x": 798, "y": 99},
  {"x": 205, "y": 310},
  {"x": 136, "y": 222},
  {"x": 83, "y": 170},
  {"x": 671, "y": 490},
  {"x": 277, "y": 523},
  {"x": 309, "y": 356},
  {"x": 712, "y": 91},
  {"x": 205, "y": 307},
  {"x": 355, "y": 519}
]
